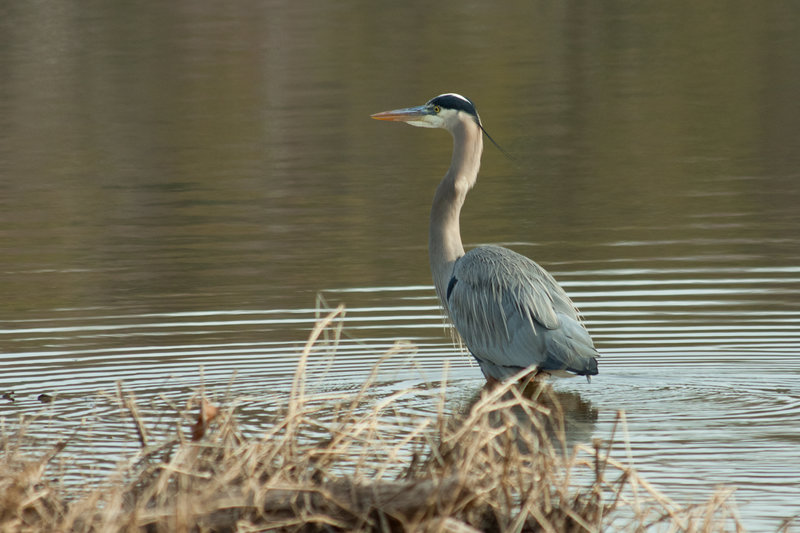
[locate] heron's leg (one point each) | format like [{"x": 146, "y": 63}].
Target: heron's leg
[
  {"x": 491, "y": 382},
  {"x": 534, "y": 383}
]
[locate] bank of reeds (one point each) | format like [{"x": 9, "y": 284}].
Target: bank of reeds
[{"x": 503, "y": 464}]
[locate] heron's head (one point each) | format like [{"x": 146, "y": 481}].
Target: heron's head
[{"x": 445, "y": 111}]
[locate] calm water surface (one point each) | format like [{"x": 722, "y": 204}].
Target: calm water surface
[{"x": 179, "y": 183}]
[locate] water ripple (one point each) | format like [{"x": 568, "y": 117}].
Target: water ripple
[{"x": 699, "y": 359}]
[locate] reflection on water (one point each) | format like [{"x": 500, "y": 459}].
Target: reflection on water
[
  {"x": 179, "y": 181},
  {"x": 565, "y": 417}
]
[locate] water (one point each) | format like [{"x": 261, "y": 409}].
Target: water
[{"x": 178, "y": 183}]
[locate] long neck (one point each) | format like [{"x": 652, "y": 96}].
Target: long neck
[{"x": 444, "y": 243}]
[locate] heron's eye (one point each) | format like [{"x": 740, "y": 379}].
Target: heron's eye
[{"x": 436, "y": 109}]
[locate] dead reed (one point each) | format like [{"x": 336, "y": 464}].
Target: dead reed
[{"x": 501, "y": 465}]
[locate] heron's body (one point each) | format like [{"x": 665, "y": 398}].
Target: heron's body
[{"x": 510, "y": 313}]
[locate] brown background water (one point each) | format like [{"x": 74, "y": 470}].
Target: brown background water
[{"x": 179, "y": 181}]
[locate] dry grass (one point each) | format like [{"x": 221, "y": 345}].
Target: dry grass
[{"x": 501, "y": 465}]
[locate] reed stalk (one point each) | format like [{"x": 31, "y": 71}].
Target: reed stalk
[{"x": 502, "y": 464}]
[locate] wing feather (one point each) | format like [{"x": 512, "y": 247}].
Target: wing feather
[{"x": 512, "y": 314}]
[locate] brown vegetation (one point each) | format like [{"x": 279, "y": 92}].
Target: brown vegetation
[{"x": 502, "y": 465}]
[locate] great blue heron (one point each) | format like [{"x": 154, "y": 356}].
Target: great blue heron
[{"x": 509, "y": 311}]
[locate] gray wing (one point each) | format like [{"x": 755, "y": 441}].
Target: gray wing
[{"x": 512, "y": 314}]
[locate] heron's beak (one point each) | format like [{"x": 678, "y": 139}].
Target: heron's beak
[
  {"x": 421, "y": 116},
  {"x": 403, "y": 115}
]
